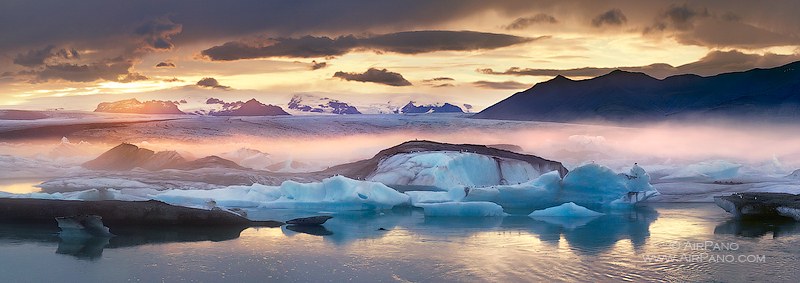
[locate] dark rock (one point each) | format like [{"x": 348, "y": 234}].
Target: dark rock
[
  {"x": 314, "y": 220},
  {"x": 761, "y": 205},
  {"x": 120, "y": 213},
  {"x": 209, "y": 162},
  {"x": 122, "y": 157},
  {"x": 126, "y": 156}
]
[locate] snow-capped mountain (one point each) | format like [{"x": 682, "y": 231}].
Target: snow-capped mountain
[
  {"x": 314, "y": 104},
  {"x": 430, "y": 108}
]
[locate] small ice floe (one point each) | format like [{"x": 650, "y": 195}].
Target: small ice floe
[{"x": 82, "y": 226}]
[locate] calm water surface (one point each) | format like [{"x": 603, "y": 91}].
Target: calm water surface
[{"x": 658, "y": 242}]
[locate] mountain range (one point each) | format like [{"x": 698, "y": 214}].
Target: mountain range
[{"x": 620, "y": 96}]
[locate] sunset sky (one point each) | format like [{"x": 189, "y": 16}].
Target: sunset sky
[{"x": 75, "y": 54}]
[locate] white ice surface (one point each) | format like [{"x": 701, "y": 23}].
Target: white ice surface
[{"x": 449, "y": 169}]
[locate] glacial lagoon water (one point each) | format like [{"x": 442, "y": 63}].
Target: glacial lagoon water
[{"x": 655, "y": 242}]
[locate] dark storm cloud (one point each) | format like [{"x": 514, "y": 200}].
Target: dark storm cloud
[
  {"x": 211, "y": 83},
  {"x": 157, "y": 33},
  {"x": 410, "y": 42},
  {"x": 613, "y": 17},
  {"x": 500, "y": 85},
  {"x": 318, "y": 65},
  {"x": 715, "y": 62},
  {"x": 373, "y": 75},
  {"x": 165, "y": 65},
  {"x": 522, "y": 23},
  {"x": 110, "y": 70},
  {"x": 37, "y": 57},
  {"x": 695, "y": 25}
]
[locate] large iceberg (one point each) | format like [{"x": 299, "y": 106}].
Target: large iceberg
[
  {"x": 595, "y": 184},
  {"x": 587, "y": 184},
  {"x": 337, "y": 193},
  {"x": 448, "y": 169},
  {"x": 332, "y": 194}
]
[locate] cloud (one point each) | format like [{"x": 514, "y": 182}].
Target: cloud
[
  {"x": 132, "y": 77},
  {"x": 444, "y": 85},
  {"x": 373, "y": 75},
  {"x": 438, "y": 79},
  {"x": 165, "y": 65},
  {"x": 409, "y": 42},
  {"x": 157, "y": 33},
  {"x": 318, "y": 65},
  {"x": 522, "y": 23},
  {"x": 613, "y": 17},
  {"x": 110, "y": 70},
  {"x": 715, "y": 62},
  {"x": 211, "y": 83},
  {"x": 500, "y": 85},
  {"x": 37, "y": 57}
]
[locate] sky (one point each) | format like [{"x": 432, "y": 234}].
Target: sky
[{"x": 75, "y": 54}]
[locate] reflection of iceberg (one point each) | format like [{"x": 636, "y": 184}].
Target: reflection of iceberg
[
  {"x": 566, "y": 222},
  {"x": 567, "y": 210},
  {"x": 126, "y": 236},
  {"x": 316, "y": 230},
  {"x": 595, "y": 236},
  {"x": 463, "y": 209},
  {"x": 90, "y": 248},
  {"x": 568, "y": 215},
  {"x": 778, "y": 227}
]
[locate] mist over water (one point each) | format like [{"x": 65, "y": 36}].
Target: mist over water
[{"x": 771, "y": 149}]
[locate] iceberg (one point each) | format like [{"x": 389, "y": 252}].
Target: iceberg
[
  {"x": 332, "y": 194},
  {"x": 463, "y": 209},
  {"x": 337, "y": 193},
  {"x": 714, "y": 170},
  {"x": 232, "y": 196},
  {"x": 569, "y": 209},
  {"x": 448, "y": 169},
  {"x": 595, "y": 184}
]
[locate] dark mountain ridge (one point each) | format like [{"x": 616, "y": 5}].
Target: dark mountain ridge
[{"x": 620, "y": 96}]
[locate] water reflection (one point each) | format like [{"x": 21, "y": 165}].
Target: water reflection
[
  {"x": 315, "y": 230},
  {"x": 91, "y": 248},
  {"x": 588, "y": 235},
  {"x": 15, "y": 186},
  {"x": 756, "y": 228}
]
